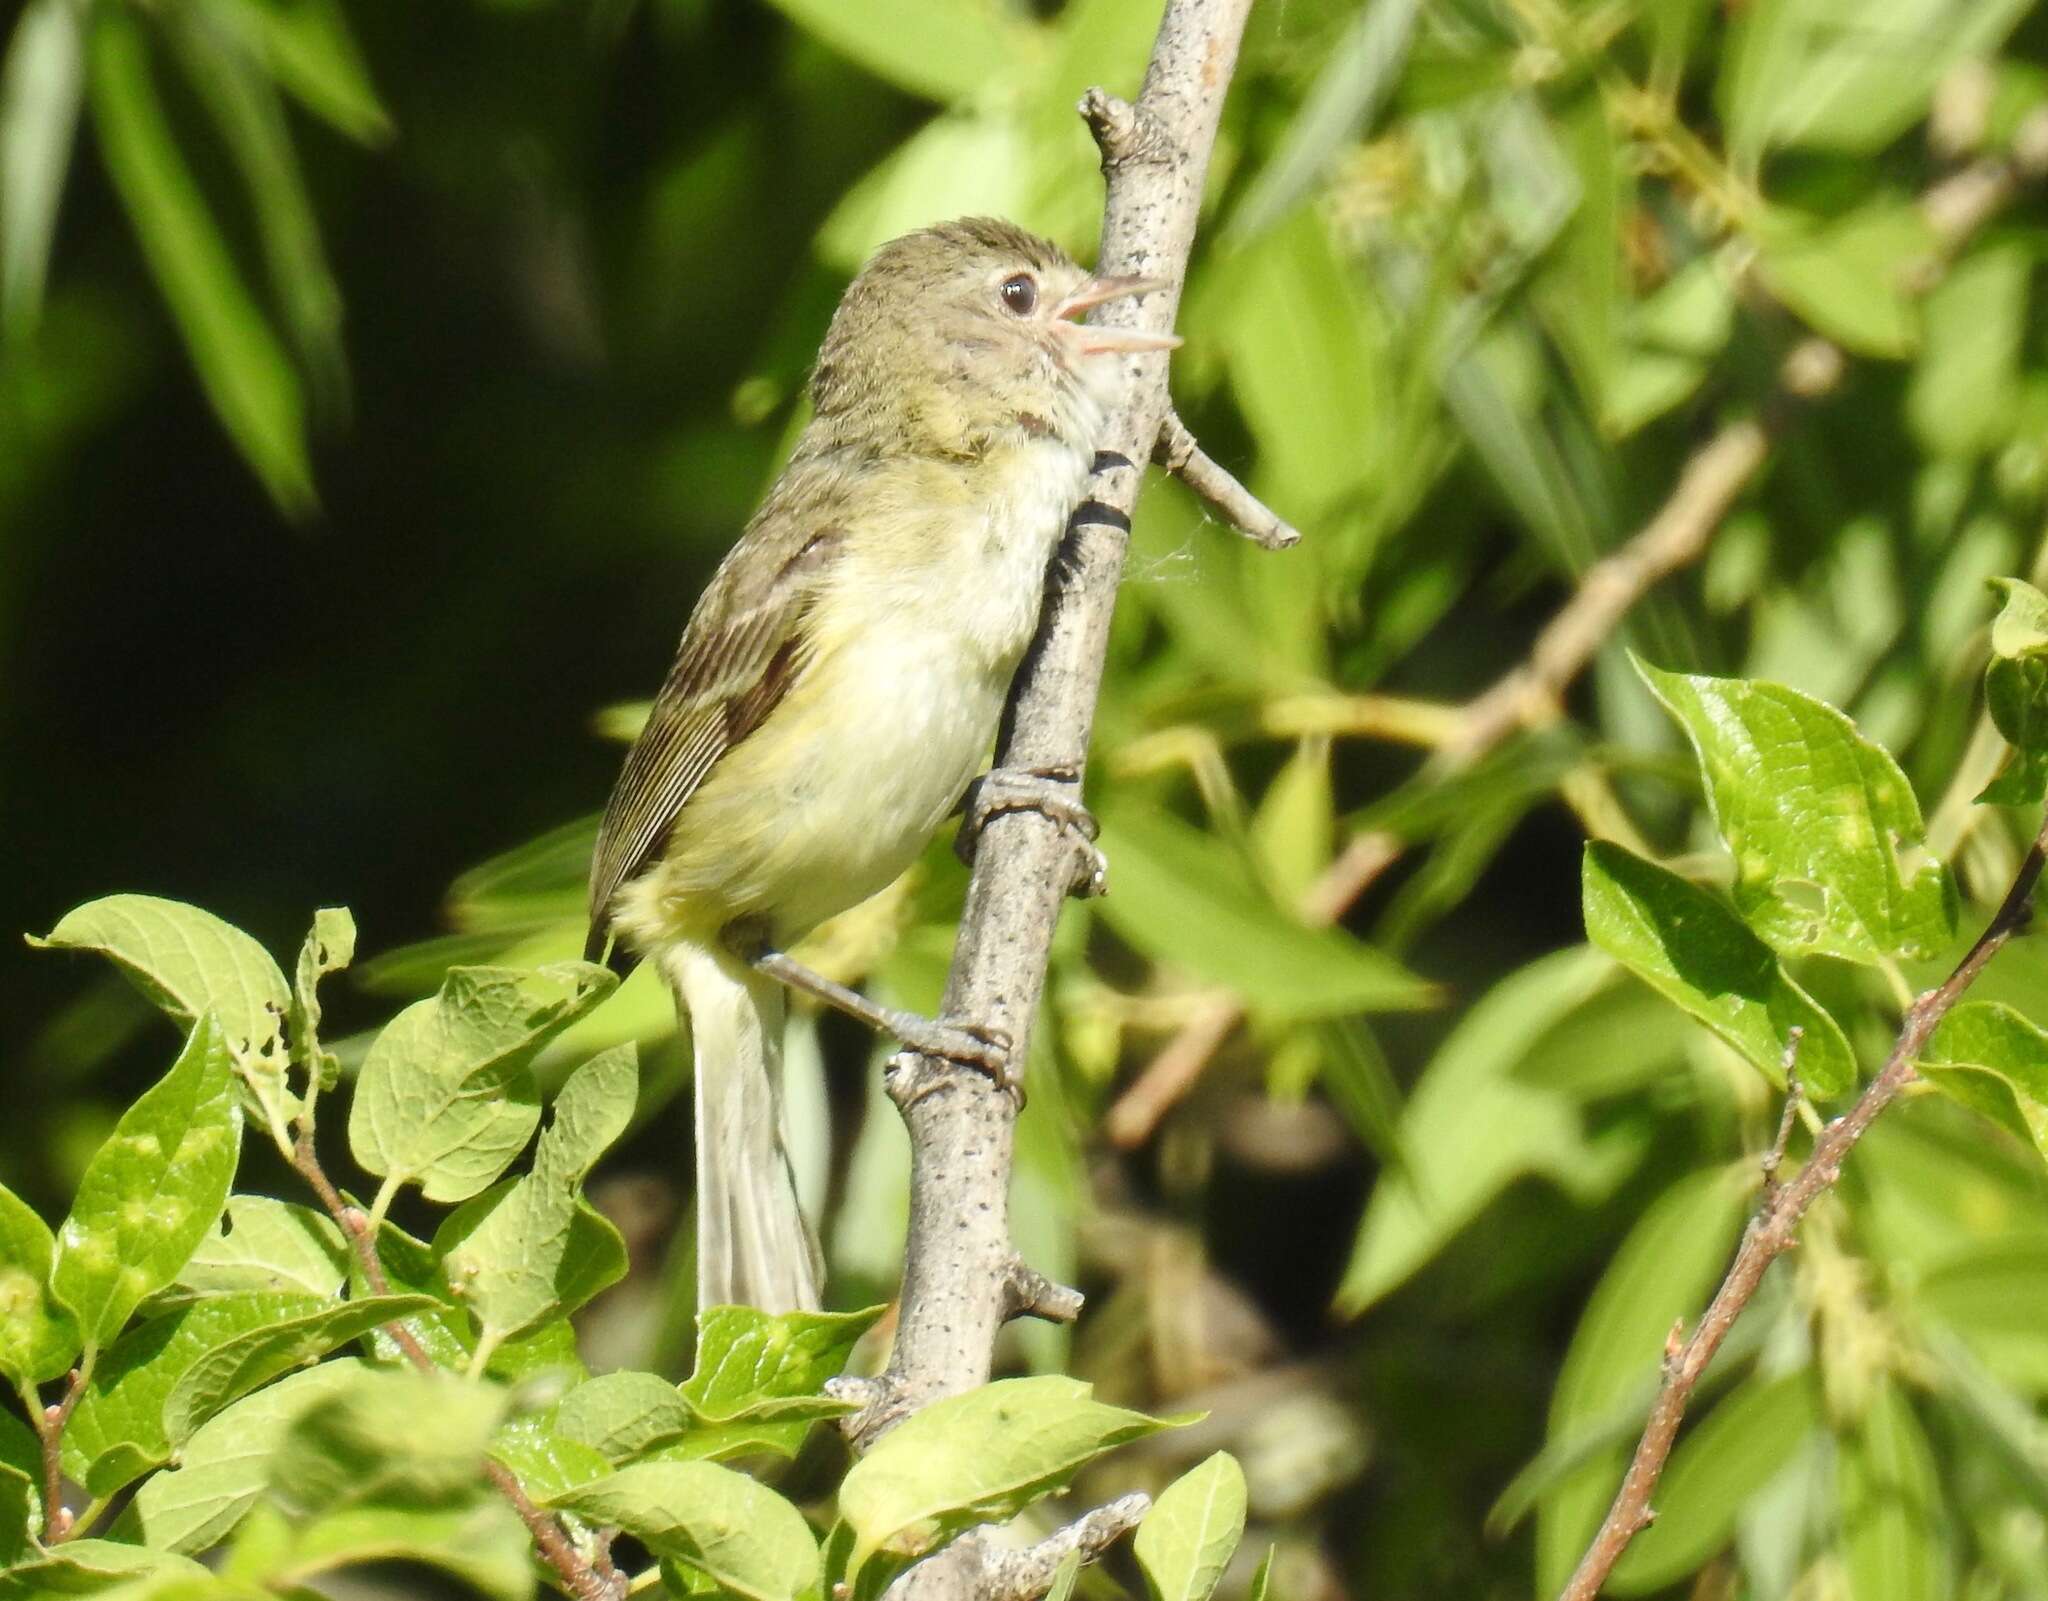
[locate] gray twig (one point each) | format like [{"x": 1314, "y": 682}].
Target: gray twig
[
  {"x": 1181, "y": 454},
  {"x": 971, "y": 1565}
]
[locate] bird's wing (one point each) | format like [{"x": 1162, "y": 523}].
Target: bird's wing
[{"x": 743, "y": 648}]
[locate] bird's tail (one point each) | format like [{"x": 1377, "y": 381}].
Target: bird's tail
[{"x": 753, "y": 1245}]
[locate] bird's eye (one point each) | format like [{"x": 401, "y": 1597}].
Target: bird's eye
[{"x": 1020, "y": 293}]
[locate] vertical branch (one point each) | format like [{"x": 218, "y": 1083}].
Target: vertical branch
[{"x": 961, "y": 1278}]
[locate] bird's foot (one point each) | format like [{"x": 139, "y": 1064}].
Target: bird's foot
[{"x": 1052, "y": 792}]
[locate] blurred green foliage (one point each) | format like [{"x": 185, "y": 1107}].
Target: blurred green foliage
[{"x": 379, "y": 383}]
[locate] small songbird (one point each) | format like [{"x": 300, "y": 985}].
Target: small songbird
[{"x": 839, "y": 683}]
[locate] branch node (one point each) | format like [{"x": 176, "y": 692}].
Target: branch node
[
  {"x": 1127, "y": 135},
  {"x": 1029, "y": 1293},
  {"x": 1181, "y": 454}
]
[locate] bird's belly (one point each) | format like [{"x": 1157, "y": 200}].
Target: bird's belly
[{"x": 835, "y": 795}]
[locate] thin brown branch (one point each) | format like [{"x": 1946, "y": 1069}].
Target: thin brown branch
[
  {"x": 49, "y": 1424},
  {"x": 1180, "y": 454},
  {"x": 595, "y": 1580},
  {"x": 1772, "y": 1229}
]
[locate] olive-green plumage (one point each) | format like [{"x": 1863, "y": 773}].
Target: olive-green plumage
[{"x": 839, "y": 682}]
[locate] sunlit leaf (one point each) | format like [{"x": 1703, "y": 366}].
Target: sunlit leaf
[
  {"x": 262, "y": 1244},
  {"x": 1851, "y": 279},
  {"x": 444, "y": 1099},
  {"x": 2016, "y": 693},
  {"x": 1819, "y": 819},
  {"x": 152, "y": 1192},
  {"x": 978, "y": 1457},
  {"x": 737, "y": 1532},
  {"x": 1191, "y": 1533},
  {"x": 1691, "y": 949},
  {"x": 929, "y": 47},
  {"x": 38, "y": 1337},
  {"x": 1992, "y": 1059}
]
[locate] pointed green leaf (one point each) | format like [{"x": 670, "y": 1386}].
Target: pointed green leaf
[
  {"x": 39, "y": 98},
  {"x": 117, "y": 1430},
  {"x": 513, "y": 1259},
  {"x": 975, "y": 1458},
  {"x": 1992, "y": 1059},
  {"x": 1182, "y": 898},
  {"x": 445, "y": 1099},
  {"x": 1894, "y": 1519},
  {"x": 621, "y": 1415},
  {"x": 1687, "y": 946},
  {"x": 758, "y": 1367},
  {"x": 1730, "y": 1454},
  {"x": 1825, "y": 830},
  {"x": 21, "y": 1490},
  {"x": 38, "y": 1337},
  {"x": 738, "y": 1532},
  {"x": 152, "y": 1192},
  {"x": 1852, "y": 279},
  {"x": 263, "y": 1244},
  {"x": 2016, "y": 694},
  {"x": 240, "y": 364},
  {"x": 187, "y": 961},
  {"x": 313, "y": 57},
  {"x": 546, "y": 1461},
  {"x": 255, "y": 1356},
  {"x": 223, "y": 1467},
  {"x": 1191, "y": 1533}
]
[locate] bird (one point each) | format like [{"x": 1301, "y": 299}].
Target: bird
[{"x": 838, "y": 686}]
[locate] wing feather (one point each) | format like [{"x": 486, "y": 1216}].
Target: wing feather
[{"x": 738, "y": 657}]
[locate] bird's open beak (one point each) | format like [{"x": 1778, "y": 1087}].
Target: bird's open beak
[{"x": 1090, "y": 340}]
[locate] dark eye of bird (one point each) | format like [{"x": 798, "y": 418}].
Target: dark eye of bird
[{"x": 1020, "y": 293}]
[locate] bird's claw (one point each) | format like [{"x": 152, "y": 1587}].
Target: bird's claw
[
  {"x": 1051, "y": 792},
  {"x": 985, "y": 1049}
]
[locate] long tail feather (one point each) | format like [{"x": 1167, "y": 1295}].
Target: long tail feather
[{"x": 753, "y": 1246}]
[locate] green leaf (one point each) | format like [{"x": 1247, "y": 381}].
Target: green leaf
[
  {"x": 309, "y": 50},
  {"x": 223, "y": 1467},
  {"x": 21, "y": 1493},
  {"x": 240, "y": 365},
  {"x": 1894, "y": 1521},
  {"x": 1691, "y": 949},
  {"x": 1472, "y": 1127},
  {"x": 188, "y": 962},
  {"x": 1966, "y": 384},
  {"x": 388, "y": 1467},
  {"x": 38, "y": 1337},
  {"x": 974, "y": 1458},
  {"x": 93, "y": 1567},
  {"x": 2016, "y": 694},
  {"x": 1818, "y": 819},
  {"x": 117, "y": 1430},
  {"x": 263, "y": 1244},
  {"x": 152, "y": 1192},
  {"x": 445, "y": 1099},
  {"x": 752, "y": 1366},
  {"x": 620, "y": 1415},
  {"x": 935, "y": 48},
  {"x": 1663, "y": 1272},
  {"x": 329, "y": 947},
  {"x": 517, "y": 1258},
  {"x": 1182, "y": 898},
  {"x": 39, "y": 98},
  {"x": 547, "y": 1462},
  {"x": 738, "y": 1532},
  {"x": 1191, "y": 1533},
  {"x": 1729, "y": 1455},
  {"x": 1263, "y": 1579},
  {"x": 1851, "y": 279},
  {"x": 255, "y": 1356},
  {"x": 1847, "y": 75},
  {"x": 1995, "y": 1061}
]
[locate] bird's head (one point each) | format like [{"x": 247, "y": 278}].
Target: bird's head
[{"x": 963, "y": 328}]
